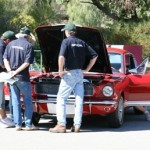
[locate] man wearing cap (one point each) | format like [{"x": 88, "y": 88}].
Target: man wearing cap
[
  {"x": 7, "y": 37},
  {"x": 30, "y": 38},
  {"x": 18, "y": 56},
  {"x": 71, "y": 60}
]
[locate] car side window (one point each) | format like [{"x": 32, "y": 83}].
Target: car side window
[{"x": 130, "y": 62}]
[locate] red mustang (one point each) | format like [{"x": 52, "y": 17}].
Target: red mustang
[{"x": 110, "y": 87}]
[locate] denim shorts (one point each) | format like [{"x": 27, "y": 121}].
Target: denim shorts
[{"x": 2, "y": 100}]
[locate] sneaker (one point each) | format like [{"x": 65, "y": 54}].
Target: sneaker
[
  {"x": 18, "y": 128},
  {"x": 58, "y": 129},
  {"x": 31, "y": 128},
  {"x": 75, "y": 129},
  {"x": 3, "y": 125},
  {"x": 8, "y": 122},
  {"x": 147, "y": 115}
]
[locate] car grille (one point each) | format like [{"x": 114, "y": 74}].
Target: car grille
[{"x": 52, "y": 88}]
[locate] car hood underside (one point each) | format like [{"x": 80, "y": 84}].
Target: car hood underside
[{"x": 50, "y": 38}]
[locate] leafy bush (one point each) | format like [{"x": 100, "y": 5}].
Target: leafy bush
[{"x": 129, "y": 34}]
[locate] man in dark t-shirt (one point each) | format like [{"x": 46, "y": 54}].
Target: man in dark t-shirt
[
  {"x": 18, "y": 56},
  {"x": 73, "y": 53}
]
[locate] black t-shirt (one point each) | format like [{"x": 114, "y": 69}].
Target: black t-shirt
[
  {"x": 2, "y": 49},
  {"x": 75, "y": 52},
  {"x": 18, "y": 52}
]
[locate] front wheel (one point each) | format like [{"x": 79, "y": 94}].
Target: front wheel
[{"x": 116, "y": 119}]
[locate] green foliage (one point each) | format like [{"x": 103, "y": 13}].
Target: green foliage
[
  {"x": 45, "y": 12},
  {"x": 117, "y": 33},
  {"x": 141, "y": 35},
  {"x": 122, "y": 22},
  {"x": 129, "y": 34},
  {"x": 117, "y": 10},
  {"x": 123, "y": 10},
  {"x": 17, "y": 13},
  {"x": 15, "y": 16},
  {"x": 84, "y": 14},
  {"x": 21, "y": 20}
]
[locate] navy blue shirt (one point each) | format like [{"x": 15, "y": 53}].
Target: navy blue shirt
[
  {"x": 2, "y": 49},
  {"x": 18, "y": 52},
  {"x": 75, "y": 52}
]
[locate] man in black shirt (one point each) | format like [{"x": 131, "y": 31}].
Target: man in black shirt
[
  {"x": 71, "y": 59},
  {"x": 18, "y": 56},
  {"x": 7, "y": 37}
]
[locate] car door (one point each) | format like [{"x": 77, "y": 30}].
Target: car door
[{"x": 139, "y": 83}]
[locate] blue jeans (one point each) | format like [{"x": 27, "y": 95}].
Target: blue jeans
[
  {"x": 24, "y": 88},
  {"x": 71, "y": 81},
  {"x": 2, "y": 100},
  {"x": 10, "y": 102}
]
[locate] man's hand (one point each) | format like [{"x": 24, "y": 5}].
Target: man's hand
[
  {"x": 62, "y": 73},
  {"x": 12, "y": 73},
  {"x": 84, "y": 71}
]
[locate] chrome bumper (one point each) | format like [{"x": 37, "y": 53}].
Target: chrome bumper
[{"x": 72, "y": 101}]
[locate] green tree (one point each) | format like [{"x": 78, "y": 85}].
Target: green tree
[
  {"x": 119, "y": 10},
  {"x": 83, "y": 14},
  {"x": 15, "y": 15},
  {"x": 45, "y": 12}
]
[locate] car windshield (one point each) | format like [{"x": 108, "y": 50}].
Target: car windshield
[{"x": 115, "y": 61}]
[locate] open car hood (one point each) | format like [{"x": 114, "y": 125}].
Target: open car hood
[{"x": 50, "y": 38}]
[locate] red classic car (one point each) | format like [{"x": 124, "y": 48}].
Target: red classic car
[{"x": 110, "y": 87}]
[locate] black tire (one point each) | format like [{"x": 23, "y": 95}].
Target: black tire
[
  {"x": 36, "y": 118},
  {"x": 115, "y": 120}
]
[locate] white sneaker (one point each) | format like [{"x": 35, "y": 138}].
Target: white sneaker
[
  {"x": 3, "y": 125},
  {"x": 147, "y": 115},
  {"x": 8, "y": 122},
  {"x": 31, "y": 128}
]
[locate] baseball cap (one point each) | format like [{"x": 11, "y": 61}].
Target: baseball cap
[
  {"x": 8, "y": 35},
  {"x": 25, "y": 30},
  {"x": 69, "y": 26}
]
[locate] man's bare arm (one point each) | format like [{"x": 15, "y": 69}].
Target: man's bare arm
[
  {"x": 90, "y": 65},
  {"x": 14, "y": 72}
]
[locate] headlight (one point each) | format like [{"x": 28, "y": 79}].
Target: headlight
[{"x": 107, "y": 91}]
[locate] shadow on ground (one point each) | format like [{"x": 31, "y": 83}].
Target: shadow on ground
[{"x": 132, "y": 122}]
